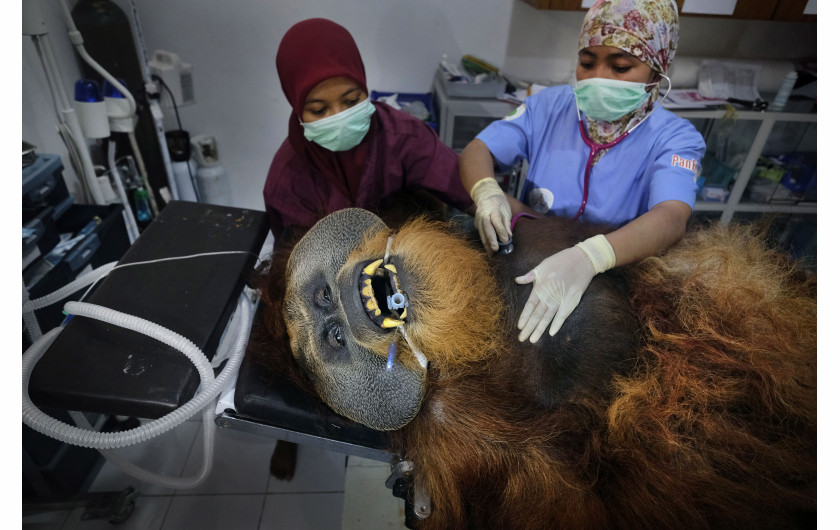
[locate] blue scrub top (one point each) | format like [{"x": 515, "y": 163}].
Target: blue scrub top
[{"x": 656, "y": 162}]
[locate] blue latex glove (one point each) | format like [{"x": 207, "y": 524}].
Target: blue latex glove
[{"x": 559, "y": 282}]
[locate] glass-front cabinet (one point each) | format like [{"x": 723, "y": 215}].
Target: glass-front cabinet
[
  {"x": 761, "y": 165},
  {"x": 758, "y": 165}
]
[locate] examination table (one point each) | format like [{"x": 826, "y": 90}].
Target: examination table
[{"x": 98, "y": 368}]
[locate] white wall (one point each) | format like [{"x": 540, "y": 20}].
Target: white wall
[{"x": 231, "y": 46}]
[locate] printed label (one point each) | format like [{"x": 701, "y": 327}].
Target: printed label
[
  {"x": 520, "y": 110},
  {"x": 687, "y": 163}
]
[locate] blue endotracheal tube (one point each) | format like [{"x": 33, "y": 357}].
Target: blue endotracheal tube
[{"x": 392, "y": 353}]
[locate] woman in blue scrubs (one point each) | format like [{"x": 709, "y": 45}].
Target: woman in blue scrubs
[{"x": 602, "y": 151}]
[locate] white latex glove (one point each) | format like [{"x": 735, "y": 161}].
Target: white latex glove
[
  {"x": 492, "y": 213},
  {"x": 559, "y": 282}
]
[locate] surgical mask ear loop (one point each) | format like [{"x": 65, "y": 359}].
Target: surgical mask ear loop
[
  {"x": 658, "y": 102},
  {"x": 662, "y": 100}
]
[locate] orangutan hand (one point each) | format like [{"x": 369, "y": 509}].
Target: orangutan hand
[
  {"x": 492, "y": 213},
  {"x": 559, "y": 282}
]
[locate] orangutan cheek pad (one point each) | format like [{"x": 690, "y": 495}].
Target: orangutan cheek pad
[{"x": 340, "y": 348}]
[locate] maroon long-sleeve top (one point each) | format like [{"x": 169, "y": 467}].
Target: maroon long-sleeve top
[{"x": 404, "y": 153}]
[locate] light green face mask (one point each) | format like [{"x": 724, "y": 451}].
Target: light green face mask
[
  {"x": 341, "y": 131},
  {"x": 609, "y": 99}
]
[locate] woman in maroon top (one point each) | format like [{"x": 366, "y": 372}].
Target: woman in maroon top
[{"x": 342, "y": 149}]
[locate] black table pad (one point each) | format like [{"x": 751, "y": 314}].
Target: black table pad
[
  {"x": 96, "y": 367},
  {"x": 269, "y": 399}
]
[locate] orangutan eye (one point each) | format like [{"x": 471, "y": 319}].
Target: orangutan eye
[
  {"x": 323, "y": 297},
  {"x": 335, "y": 335}
]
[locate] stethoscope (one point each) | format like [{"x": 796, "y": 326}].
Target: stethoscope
[{"x": 595, "y": 148}]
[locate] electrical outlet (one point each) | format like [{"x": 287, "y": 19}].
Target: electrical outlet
[
  {"x": 187, "y": 86},
  {"x": 176, "y": 77}
]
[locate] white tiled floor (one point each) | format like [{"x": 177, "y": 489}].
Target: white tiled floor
[{"x": 329, "y": 490}]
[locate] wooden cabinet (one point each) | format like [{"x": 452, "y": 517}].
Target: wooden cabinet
[
  {"x": 793, "y": 11},
  {"x": 562, "y": 5},
  {"x": 749, "y": 9},
  {"x": 780, "y": 10}
]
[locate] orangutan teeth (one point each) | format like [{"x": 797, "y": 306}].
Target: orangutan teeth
[
  {"x": 371, "y": 269},
  {"x": 379, "y": 286}
]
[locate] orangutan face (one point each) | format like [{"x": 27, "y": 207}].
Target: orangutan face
[
  {"x": 363, "y": 327},
  {"x": 341, "y": 328}
]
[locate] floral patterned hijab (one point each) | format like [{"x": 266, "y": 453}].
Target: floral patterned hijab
[{"x": 647, "y": 29}]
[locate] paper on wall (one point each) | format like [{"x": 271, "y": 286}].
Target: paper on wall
[
  {"x": 709, "y": 7},
  {"x": 722, "y": 80},
  {"x": 689, "y": 98},
  {"x": 706, "y": 7}
]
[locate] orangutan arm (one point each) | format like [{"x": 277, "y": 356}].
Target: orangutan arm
[{"x": 650, "y": 233}]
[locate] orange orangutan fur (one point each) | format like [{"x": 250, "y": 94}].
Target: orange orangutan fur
[
  {"x": 711, "y": 425},
  {"x": 455, "y": 291},
  {"x": 727, "y": 382}
]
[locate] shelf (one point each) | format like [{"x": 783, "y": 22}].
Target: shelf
[
  {"x": 800, "y": 208},
  {"x": 782, "y": 10},
  {"x": 750, "y": 139},
  {"x": 461, "y": 119},
  {"x": 718, "y": 114}
]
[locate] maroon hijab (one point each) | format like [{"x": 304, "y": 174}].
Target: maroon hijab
[{"x": 312, "y": 51}]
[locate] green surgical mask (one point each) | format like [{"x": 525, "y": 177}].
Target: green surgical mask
[
  {"x": 609, "y": 99},
  {"x": 341, "y": 131}
]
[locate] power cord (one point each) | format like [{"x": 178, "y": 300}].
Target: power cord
[{"x": 158, "y": 79}]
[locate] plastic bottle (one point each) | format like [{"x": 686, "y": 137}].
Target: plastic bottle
[
  {"x": 91, "y": 109},
  {"x": 141, "y": 202},
  {"x": 211, "y": 177},
  {"x": 185, "y": 172},
  {"x": 784, "y": 91}
]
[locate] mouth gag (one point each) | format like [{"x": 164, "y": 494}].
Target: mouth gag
[{"x": 378, "y": 282}]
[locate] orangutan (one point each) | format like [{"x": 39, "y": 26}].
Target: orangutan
[{"x": 681, "y": 393}]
